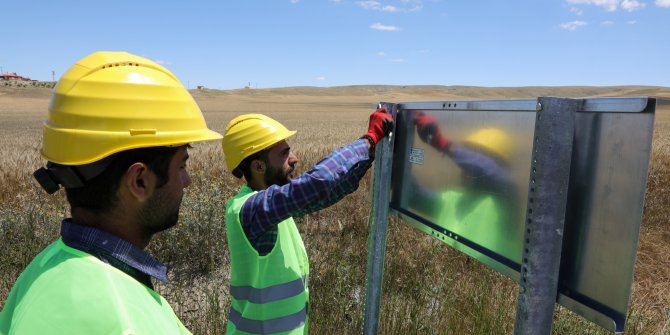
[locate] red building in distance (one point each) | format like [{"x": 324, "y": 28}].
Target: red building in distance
[{"x": 13, "y": 76}]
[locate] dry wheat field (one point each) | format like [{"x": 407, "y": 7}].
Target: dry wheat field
[{"x": 428, "y": 287}]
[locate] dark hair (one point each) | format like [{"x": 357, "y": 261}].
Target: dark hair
[
  {"x": 99, "y": 193},
  {"x": 244, "y": 169}
]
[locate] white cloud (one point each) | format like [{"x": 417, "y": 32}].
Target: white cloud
[
  {"x": 612, "y": 5},
  {"x": 631, "y": 22},
  {"x": 576, "y": 11},
  {"x": 663, "y": 3},
  {"x": 320, "y": 78},
  {"x": 372, "y": 5},
  {"x": 408, "y": 6},
  {"x": 607, "y": 23},
  {"x": 396, "y": 60},
  {"x": 424, "y": 51},
  {"x": 631, "y": 5},
  {"x": 163, "y": 62},
  {"x": 381, "y": 54},
  {"x": 572, "y": 25},
  {"x": 413, "y": 5},
  {"x": 295, "y": 1},
  {"x": 379, "y": 26}
]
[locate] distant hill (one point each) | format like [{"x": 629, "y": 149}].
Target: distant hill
[
  {"x": 402, "y": 93},
  {"x": 451, "y": 92}
]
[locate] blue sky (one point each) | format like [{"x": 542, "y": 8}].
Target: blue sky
[{"x": 277, "y": 43}]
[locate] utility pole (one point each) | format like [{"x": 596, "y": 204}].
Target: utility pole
[{"x": 53, "y": 75}]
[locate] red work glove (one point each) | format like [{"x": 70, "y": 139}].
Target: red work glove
[
  {"x": 380, "y": 125},
  {"x": 429, "y": 132}
]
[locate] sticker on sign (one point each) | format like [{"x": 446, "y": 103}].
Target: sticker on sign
[{"x": 416, "y": 156}]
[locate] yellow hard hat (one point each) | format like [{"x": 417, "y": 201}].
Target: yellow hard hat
[
  {"x": 492, "y": 140},
  {"x": 114, "y": 101},
  {"x": 248, "y": 134}
]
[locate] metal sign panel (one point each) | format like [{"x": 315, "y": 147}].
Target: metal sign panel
[
  {"x": 605, "y": 203},
  {"x": 472, "y": 194}
]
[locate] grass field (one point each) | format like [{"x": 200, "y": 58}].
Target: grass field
[{"x": 428, "y": 287}]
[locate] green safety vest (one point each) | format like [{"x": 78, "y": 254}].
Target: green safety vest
[
  {"x": 269, "y": 293},
  {"x": 67, "y": 291},
  {"x": 481, "y": 220}
]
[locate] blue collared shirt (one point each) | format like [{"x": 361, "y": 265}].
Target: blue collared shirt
[
  {"x": 326, "y": 183},
  {"x": 115, "y": 251}
]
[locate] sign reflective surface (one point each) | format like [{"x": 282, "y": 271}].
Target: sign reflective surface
[{"x": 466, "y": 179}]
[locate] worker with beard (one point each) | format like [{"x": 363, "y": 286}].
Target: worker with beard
[
  {"x": 116, "y": 139},
  {"x": 269, "y": 266}
]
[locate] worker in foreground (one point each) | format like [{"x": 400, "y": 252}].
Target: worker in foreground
[
  {"x": 484, "y": 207},
  {"x": 269, "y": 266},
  {"x": 116, "y": 139}
]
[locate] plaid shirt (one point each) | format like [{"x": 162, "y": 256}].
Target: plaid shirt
[
  {"x": 114, "y": 251},
  {"x": 325, "y": 184}
]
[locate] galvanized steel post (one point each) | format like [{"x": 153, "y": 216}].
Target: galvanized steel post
[
  {"x": 381, "y": 187},
  {"x": 545, "y": 217}
]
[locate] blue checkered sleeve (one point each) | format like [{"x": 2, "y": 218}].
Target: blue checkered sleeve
[{"x": 326, "y": 183}]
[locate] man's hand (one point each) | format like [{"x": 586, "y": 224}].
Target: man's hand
[
  {"x": 381, "y": 123},
  {"x": 429, "y": 132}
]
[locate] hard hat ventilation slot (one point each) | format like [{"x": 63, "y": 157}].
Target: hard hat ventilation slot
[{"x": 120, "y": 64}]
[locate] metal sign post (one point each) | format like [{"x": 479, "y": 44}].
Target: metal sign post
[
  {"x": 545, "y": 217},
  {"x": 381, "y": 186}
]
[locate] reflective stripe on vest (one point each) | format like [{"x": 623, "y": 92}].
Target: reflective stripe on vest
[
  {"x": 282, "y": 324},
  {"x": 268, "y": 294}
]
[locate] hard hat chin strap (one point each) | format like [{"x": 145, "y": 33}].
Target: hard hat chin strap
[{"x": 69, "y": 176}]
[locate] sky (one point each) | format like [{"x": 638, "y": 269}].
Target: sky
[{"x": 279, "y": 43}]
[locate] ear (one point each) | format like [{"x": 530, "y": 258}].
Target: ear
[
  {"x": 139, "y": 181},
  {"x": 258, "y": 166}
]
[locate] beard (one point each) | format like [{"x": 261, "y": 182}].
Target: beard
[
  {"x": 159, "y": 213},
  {"x": 277, "y": 176}
]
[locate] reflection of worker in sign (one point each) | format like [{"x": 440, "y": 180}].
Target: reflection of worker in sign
[
  {"x": 116, "y": 139},
  {"x": 483, "y": 210}
]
